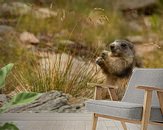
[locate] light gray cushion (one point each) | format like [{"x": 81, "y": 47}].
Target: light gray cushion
[
  {"x": 125, "y": 110},
  {"x": 143, "y": 77}
]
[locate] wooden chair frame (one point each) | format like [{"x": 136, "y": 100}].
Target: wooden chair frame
[{"x": 146, "y": 107}]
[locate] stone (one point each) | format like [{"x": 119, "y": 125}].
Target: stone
[
  {"x": 14, "y": 8},
  {"x": 44, "y": 13},
  {"x": 5, "y": 29},
  {"x": 53, "y": 101},
  {"x": 27, "y": 37},
  {"x": 3, "y": 99},
  {"x": 64, "y": 108},
  {"x": 20, "y": 8},
  {"x": 134, "y": 4}
]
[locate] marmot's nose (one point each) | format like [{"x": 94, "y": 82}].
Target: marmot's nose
[{"x": 112, "y": 47}]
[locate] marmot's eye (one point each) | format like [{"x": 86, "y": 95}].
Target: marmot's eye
[{"x": 123, "y": 45}]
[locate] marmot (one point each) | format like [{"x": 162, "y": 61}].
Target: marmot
[{"x": 118, "y": 63}]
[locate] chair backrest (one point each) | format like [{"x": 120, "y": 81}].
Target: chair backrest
[{"x": 143, "y": 77}]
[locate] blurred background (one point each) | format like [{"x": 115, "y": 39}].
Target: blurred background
[{"x": 54, "y": 43}]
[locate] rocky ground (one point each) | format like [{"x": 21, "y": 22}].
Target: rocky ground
[
  {"x": 11, "y": 11},
  {"x": 42, "y": 43}
]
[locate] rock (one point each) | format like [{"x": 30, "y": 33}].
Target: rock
[
  {"x": 14, "y": 8},
  {"x": 44, "y": 13},
  {"x": 78, "y": 106},
  {"x": 64, "y": 108},
  {"x": 28, "y": 37},
  {"x": 4, "y": 29},
  {"x": 20, "y": 8},
  {"x": 53, "y": 101},
  {"x": 134, "y": 4},
  {"x": 3, "y": 99}
]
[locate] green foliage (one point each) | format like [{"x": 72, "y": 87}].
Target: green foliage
[
  {"x": 24, "y": 98},
  {"x": 8, "y": 126},
  {"x": 155, "y": 21},
  {"x": 20, "y": 99},
  {"x": 3, "y": 74}
]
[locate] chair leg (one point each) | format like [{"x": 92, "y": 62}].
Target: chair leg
[
  {"x": 124, "y": 125},
  {"x": 94, "y": 122},
  {"x": 146, "y": 110}
]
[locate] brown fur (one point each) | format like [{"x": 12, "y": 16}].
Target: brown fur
[{"x": 117, "y": 64}]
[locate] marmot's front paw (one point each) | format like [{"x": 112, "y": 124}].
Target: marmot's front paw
[
  {"x": 104, "y": 54},
  {"x": 99, "y": 61}
]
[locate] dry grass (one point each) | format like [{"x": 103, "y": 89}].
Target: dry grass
[{"x": 57, "y": 73}]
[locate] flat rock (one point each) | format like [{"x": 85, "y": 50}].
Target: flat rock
[{"x": 53, "y": 101}]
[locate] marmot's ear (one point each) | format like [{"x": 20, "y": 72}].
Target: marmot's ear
[{"x": 131, "y": 46}]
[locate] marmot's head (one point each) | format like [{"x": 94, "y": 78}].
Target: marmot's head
[{"x": 122, "y": 48}]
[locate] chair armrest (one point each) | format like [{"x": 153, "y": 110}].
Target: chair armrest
[
  {"x": 98, "y": 91},
  {"x": 149, "y": 88},
  {"x": 101, "y": 85}
]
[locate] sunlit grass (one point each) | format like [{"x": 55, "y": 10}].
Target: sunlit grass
[{"x": 57, "y": 72}]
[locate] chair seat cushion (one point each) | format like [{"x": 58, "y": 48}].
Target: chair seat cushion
[{"x": 131, "y": 111}]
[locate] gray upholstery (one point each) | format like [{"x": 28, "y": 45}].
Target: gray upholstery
[
  {"x": 125, "y": 110},
  {"x": 143, "y": 77},
  {"x": 131, "y": 105}
]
